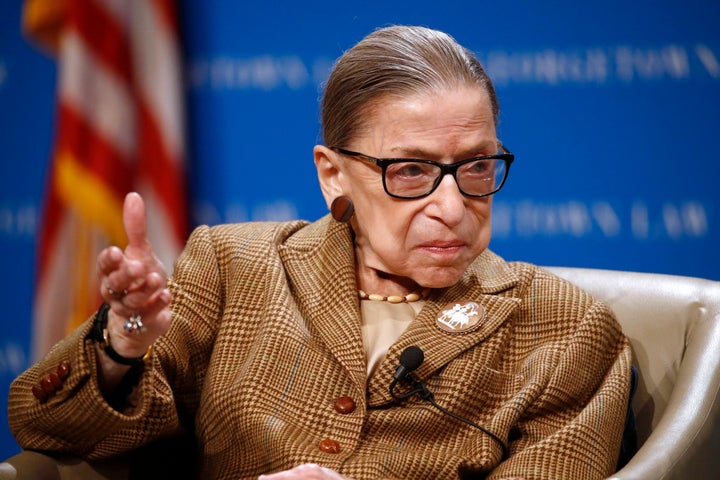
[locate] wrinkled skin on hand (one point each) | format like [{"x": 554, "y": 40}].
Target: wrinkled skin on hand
[{"x": 307, "y": 471}]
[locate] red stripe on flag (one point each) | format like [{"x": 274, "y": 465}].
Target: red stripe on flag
[
  {"x": 103, "y": 35},
  {"x": 51, "y": 214},
  {"x": 165, "y": 174},
  {"x": 166, "y": 9},
  {"x": 96, "y": 154}
]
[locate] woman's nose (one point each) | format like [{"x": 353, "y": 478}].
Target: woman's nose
[{"x": 448, "y": 203}]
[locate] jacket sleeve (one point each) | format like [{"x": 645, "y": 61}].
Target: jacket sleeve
[
  {"x": 573, "y": 428},
  {"x": 163, "y": 394}
]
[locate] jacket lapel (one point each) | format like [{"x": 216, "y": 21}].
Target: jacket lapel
[{"x": 319, "y": 261}]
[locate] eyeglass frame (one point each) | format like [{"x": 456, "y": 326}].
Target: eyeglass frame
[{"x": 445, "y": 168}]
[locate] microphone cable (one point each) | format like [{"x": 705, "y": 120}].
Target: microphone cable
[{"x": 410, "y": 359}]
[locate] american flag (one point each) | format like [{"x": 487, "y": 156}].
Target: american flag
[{"x": 119, "y": 128}]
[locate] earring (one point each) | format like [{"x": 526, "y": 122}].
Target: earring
[{"x": 342, "y": 209}]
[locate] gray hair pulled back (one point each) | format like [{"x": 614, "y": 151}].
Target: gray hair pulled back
[{"x": 395, "y": 61}]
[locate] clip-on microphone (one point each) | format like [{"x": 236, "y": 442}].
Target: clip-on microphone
[{"x": 410, "y": 360}]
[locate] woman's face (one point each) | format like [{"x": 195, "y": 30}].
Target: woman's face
[{"x": 430, "y": 240}]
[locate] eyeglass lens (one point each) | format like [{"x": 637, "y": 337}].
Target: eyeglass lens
[{"x": 412, "y": 179}]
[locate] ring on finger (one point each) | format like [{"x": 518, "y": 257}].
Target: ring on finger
[
  {"x": 134, "y": 324},
  {"x": 115, "y": 294}
]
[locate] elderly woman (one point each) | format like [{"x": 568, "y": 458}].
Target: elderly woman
[{"x": 320, "y": 350}]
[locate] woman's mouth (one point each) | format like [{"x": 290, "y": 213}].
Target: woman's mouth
[{"x": 442, "y": 247}]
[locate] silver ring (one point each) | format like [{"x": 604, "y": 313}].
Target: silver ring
[
  {"x": 134, "y": 325},
  {"x": 115, "y": 294}
]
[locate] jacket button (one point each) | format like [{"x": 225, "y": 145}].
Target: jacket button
[
  {"x": 63, "y": 370},
  {"x": 329, "y": 446},
  {"x": 47, "y": 385},
  {"x": 55, "y": 380},
  {"x": 344, "y": 405},
  {"x": 39, "y": 393}
]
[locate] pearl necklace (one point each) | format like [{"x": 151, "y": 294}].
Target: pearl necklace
[{"x": 410, "y": 297}]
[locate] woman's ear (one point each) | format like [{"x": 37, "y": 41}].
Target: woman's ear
[{"x": 329, "y": 174}]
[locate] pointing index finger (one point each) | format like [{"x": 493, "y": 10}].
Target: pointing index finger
[{"x": 135, "y": 221}]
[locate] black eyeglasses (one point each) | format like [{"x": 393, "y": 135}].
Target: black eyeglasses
[{"x": 416, "y": 178}]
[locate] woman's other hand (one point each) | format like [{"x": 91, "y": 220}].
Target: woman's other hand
[{"x": 307, "y": 471}]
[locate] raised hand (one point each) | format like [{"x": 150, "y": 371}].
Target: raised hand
[{"x": 134, "y": 283}]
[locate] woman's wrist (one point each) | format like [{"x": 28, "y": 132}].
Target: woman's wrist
[{"x": 101, "y": 335}]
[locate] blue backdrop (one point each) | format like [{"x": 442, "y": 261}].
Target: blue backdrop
[{"x": 611, "y": 110}]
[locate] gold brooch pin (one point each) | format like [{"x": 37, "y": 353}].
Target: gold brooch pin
[{"x": 460, "y": 317}]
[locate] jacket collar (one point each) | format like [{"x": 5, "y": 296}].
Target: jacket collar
[{"x": 320, "y": 264}]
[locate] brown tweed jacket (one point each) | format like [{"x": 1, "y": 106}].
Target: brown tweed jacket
[{"x": 266, "y": 336}]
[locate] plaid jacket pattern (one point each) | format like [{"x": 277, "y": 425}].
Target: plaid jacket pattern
[{"x": 266, "y": 336}]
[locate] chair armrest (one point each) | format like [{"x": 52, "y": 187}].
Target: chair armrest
[
  {"x": 165, "y": 458},
  {"x": 29, "y": 465},
  {"x": 684, "y": 443}
]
